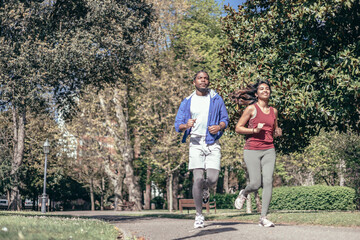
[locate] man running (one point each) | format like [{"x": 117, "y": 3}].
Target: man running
[{"x": 203, "y": 116}]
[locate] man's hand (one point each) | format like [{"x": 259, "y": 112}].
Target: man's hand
[
  {"x": 190, "y": 123},
  {"x": 214, "y": 129}
]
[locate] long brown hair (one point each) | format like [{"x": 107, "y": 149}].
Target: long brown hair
[{"x": 247, "y": 96}]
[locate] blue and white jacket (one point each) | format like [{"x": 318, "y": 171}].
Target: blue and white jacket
[{"x": 217, "y": 114}]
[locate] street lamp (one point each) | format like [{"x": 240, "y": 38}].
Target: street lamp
[{"x": 46, "y": 151}]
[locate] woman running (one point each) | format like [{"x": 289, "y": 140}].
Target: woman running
[{"x": 259, "y": 151}]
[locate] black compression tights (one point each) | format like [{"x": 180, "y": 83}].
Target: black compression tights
[{"x": 200, "y": 183}]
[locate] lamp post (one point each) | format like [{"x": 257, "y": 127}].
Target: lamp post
[{"x": 46, "y": 151}]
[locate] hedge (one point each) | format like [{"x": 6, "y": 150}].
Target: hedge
[{"x": 316, "y": 197}]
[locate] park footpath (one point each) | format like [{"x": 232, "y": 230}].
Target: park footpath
[{"x": 154, "y": 228}]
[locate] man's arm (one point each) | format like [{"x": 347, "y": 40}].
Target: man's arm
[
  {"x": 224, "y": 120},
  {"x": 180, "y": 118}
]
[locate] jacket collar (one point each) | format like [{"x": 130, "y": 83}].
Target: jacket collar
[{"x": 213, "y": 93}]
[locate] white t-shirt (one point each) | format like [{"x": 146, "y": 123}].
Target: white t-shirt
[{"x": 199, "y": 109}]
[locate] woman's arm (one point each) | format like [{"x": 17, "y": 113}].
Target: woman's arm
[
  {"x": 245, "y": 117},
  {"x": 277, "y": 131}
]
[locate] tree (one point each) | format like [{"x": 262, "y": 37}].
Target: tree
[
  {"x": 39, "y": 127},
  {"x": 197, "y": 37},
  {"x": 5, "y": 152},
  {"x": 309, "y": 51},
  {"x": 155, "y": 99},
  {"x": 185, "y": 39},
  {"x": 51, "y": 50}
]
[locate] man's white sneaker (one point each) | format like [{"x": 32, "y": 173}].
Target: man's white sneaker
[
  {"x": 264, "y": 222},
  {"x": 199, "y": 221},
  {"x": 240, "y": 200}
]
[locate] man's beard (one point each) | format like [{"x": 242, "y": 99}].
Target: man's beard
[{"x": 202, "y": 90}]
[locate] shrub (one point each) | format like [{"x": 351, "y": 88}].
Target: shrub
[
  {"x": 316, "y": 197},
  {"x": 159, "y": 202},
  {"x": 313, "y": 198},
  {"x": 224, "y": 201}
]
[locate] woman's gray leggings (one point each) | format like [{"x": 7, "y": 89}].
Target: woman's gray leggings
[
  {"x": 200, "y": 183},
  {"x": 258, "y": 161}
]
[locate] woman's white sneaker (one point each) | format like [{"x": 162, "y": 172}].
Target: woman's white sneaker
[
  {"x": 240, "y": 200},
  {"x": 199, "y": 221},
  {"x": 264, "y": 222}
]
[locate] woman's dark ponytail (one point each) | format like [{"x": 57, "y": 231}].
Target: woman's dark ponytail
[{"x": 247, "y": 96}]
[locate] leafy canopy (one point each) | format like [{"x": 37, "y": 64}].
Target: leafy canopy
[{"x": 309, "y": 50}]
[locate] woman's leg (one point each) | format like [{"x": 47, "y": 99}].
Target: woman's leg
[
  {"x": 268, "y": 166},
  {"x": 197, "y": 189},
  {"x": 252, "y": 160}
]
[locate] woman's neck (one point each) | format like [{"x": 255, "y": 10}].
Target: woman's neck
[{"x": 262, "y": 103}]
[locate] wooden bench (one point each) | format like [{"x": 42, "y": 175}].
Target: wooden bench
[
  {"x": 126, "y": 206},
  {"x": 189, "y": 203}
]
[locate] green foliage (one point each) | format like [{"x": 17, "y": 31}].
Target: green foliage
[
  {"x": 331, "y": 158},
  {"x": 51, "y": 50},
  {"x": 159, "y": 202},
  {"x": 309, "y": 50},
  {"x": 5, "y": 151},
  {"x": 224, "y": 201},
  {"x": 313, "y": 198},
  {"x": 299, "y": 198},
  {"x": 197, "y": 38}
]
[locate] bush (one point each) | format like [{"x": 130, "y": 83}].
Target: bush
[
  {"x": 224, "y": 201},
  {"x": 313, "y": 198},
  {"x": 299, "y": 198},
  {"x": 159, "y": 202}
]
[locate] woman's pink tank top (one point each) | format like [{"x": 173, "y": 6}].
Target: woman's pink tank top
[{"x": 264, "y": 139}]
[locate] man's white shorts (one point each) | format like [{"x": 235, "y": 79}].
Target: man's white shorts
[{"x": 202, "y": 155}]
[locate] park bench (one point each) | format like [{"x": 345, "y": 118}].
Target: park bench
[
  {"x": 189, "y": 203},
  {"x": 125, "y": 205}
]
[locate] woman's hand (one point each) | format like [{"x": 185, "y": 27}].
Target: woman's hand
[
  {"x": 278, "y": 132},
  {"x": 259, "y": 127}
]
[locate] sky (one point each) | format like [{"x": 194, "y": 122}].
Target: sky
[{"x": 233, "y": 3}]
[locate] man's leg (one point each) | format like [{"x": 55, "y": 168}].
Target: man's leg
[
  {"x": 212, "y": 176},
  {"x": 197, "y": 188},
  {"x": 197, "y": 196}
]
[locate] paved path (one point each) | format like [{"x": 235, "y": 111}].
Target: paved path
[{"x": 153, "y": 228}]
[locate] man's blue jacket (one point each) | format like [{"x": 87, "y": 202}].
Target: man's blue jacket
[{"x": 217, "y": 114}]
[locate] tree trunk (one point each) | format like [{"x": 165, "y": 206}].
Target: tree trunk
[
  {"x": 258, "y": 202},
  {"x": 147, "y": 195},
  {"x": 341, "y": 173},
  {"x": 248, "y": 204},
  {"x": 248, "y": 201},
  {"x": 170, "y": 191},
  {"x": 226, "y": 179},
  {"x": 102, "y": 193},
  {"x": 18, "y": 154},
  {"x": 116, "y": 179},
  {"x": 123, "y": 144},
  {"x": 175, "y": 185},
  {"x": 92, "y": 194},
  {"x": 8, "y": 194}
]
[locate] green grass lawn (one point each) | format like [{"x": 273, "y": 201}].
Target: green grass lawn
[{"x": 27, "y": 225}]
